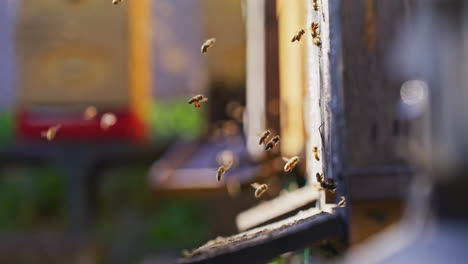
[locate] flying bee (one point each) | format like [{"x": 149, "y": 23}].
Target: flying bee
[
  {"x": 316, "y": 154},
  {"x": 290, "y": 163},
  {"x": 50, "y": 133},
  {"x": 326, "y": 184},
  {"x": 221, "y": 171},
  {"x": 272, "y": 143},
  {"x": 315, "y": 5},
  {"x": 264, "y": 137},
  {"x": 197, "y": 99},
  {"x": 89, "y": 113},
  {"x": 317, "y": 41},
  {"x": 116, "y": 2},
  {"x": 208, "y": 44},
  {"x": 108, "y": 120},
  {"x": 298, "y": 35},
  {"x": 313, "y": 29},
  {"x": 342, "y": 202},
  {"x": 259, "y": 189}
]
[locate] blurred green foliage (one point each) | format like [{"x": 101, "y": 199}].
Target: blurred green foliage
[
  {"x": 130, "y": 216},
  {"x": 175, "y": 118},
  {"x": 30, "y": 197},
  {"x": 178, "y": 223},
  {"x": 6, "y": 126}
]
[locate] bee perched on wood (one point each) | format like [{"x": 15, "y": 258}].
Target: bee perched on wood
[
  {"x": 259, "y": 189},
  {"x": 298, "y": 35},
  {"x": 208, "y": 44},
  {"x": 327, "y": 184},
  {"x": 221, "y": 171},
  {"x": 315, "y": 5},
  {"x": 317, "y": 41},
  {"x": 342, "y": 202},
  {"x": 272, "y": 143},
  {"x": 264, "y": 137},
  {"x": 313, "y": 29},
  {"x": 316, "y": 154},
  {"x": 50, "y": 133},
  {"x": 116, "y": 2},
  {"x": 290, "y": 163},
  {"x": 197, "y": 99}
]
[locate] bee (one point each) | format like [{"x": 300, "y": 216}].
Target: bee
[
  {"x": 313, "y": 29},
  {"x": 197, "y": 99},
  {"x": 342, "y": 202},
  {"x": 316, "y": 154},
  {"x": 326, "y": 184},
  {"x": 116, "y": 2},
  {"x": 317, "y": 41},
  {"x": 272, "y": 143},
  {"x": 259, "y": 189},
  {"x": 315, "y": 5},
  {"x": 108, "y": 120},
  {"x": 208, "y": 44},
  {"x": 221, "y": 171},
  {"x": 50, "y": 133},
  {"x": 298, "y": 35},
  {"x": 89, "y": 113},
  {"x": 264, "y": 137},
  {"x": 290, "y": 163}
]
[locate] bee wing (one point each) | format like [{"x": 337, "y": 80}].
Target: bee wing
[
  {"x": 255, "y": 185},
  {"x": 228, "y": 165},
  {"x": 204, "y": 99},
  {"x": 285, "y": 159},
  {"x": 342, "y": 201}
]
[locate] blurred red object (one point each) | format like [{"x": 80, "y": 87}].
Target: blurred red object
[{"x": 31, "y": 122}]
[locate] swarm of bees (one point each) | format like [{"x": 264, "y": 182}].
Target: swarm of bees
[
  {"x": 272, "y": 143},
  {"x": 260, "y": 189},
  {"x": 313, "y": 29},
  {"x": 107, "y": 121},
  {"x": 116, "y": 2},
  {"x": 316, "y": 40},
  {"x": 298, "y": 35},
  {"x": 264, "y": 137},
  {"x": 315, "y": 5},
  {"x": 316, "y": 154},
  {"x": 197, "y": 99},
  {"x": 207, "y": 44},
  {"x": 326, "y": 184},
  {"x": 89, "y": 113},
  {"x": 221, "y": 171},
  {"x": 290, "y": 163},
  {"x": 342, "y": 202},
  {"x": 50, "y": 133}
]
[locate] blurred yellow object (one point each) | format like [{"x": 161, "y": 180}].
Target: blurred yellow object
[
  {"x": 291, "y": 16},
  {"x": 72, "y": 54}
]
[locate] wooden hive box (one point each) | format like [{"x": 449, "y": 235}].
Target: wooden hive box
[{"x": 77, "y": 53}]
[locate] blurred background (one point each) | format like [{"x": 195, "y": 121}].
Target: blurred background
[
  {"x": 100, "y": 196},
  {"x": 381, "y": 99}
]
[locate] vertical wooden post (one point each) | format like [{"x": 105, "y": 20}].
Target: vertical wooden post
[
  {"x": 324, "y": 102},
  {"x": 255, "y": 96}
]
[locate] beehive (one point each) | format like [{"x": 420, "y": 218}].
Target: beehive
[{"x": 76, "y": 53}]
